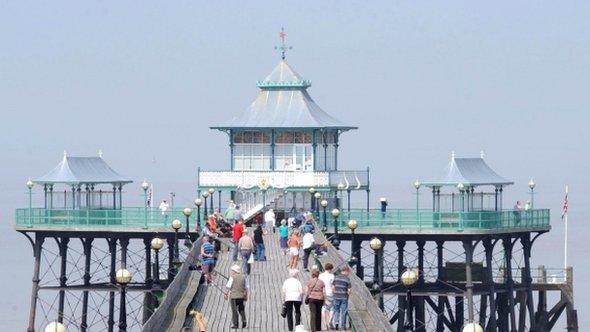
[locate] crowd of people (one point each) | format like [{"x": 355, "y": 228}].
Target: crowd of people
[{"x": 325, "y": 293}]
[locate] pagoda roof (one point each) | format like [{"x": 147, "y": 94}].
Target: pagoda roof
[
  {"x": 470, "y": 172},
  {"x": 283, "y": 102},
  {"x": 82, "y": 170}
]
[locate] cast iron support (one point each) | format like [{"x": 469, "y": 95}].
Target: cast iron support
[
  {"x": 37, "y": 249},
  {"x": 87, "y": 245}
]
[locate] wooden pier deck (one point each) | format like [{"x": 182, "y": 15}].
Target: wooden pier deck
[{"x": 264, "y": 302}]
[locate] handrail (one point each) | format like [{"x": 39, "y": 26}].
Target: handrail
[{"x": 164, "y": 314}]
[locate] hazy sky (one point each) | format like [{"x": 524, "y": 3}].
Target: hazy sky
[{"x": 143, "y": 81}]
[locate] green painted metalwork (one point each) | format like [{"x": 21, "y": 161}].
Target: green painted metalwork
[
  {"x": 450, "y": 220},
  {"x": 392, "y": 219},
  {"x": 130, "y": 217}
]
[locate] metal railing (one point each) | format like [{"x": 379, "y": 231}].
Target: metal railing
[
  {"x": 124, "y": 217},
  {"x": 428, "y": 219}
]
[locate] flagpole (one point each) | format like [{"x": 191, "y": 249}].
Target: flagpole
[{"x": 565, "y": 221}]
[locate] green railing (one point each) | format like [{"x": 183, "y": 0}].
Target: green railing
[
  {"x": 126, "y": 217},
  {"x": 427, "y": 219}
]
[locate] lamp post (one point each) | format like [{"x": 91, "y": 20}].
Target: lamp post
[
  {"x": 30, "y": 186},
  {"x": 263, "y": 190},
  {"x": 205, "y": 213},
  {"x": 312, "y": 192},
  {"x": 324, "y": 204},
  {"x": 145, "y": 185},
  {"x": 316, "y": 204},
  {"x": 198, "y": 203},
  {"x": 187, "y": 213},
  {"x": 376, "y": 245},
  {"x": 472, "y": 327},
  {"x": 211, "y": 194},
  {"x": 409, "y": 278},
  {"x": 417, "y": 185},
  {"x": 157, "y": 244},
  {"x": 532, "y": 186},
  {"x": 123, "y": 277},
  {"x": 336, "y": 240},
  {"x": 352, "y": 225},
  {"x": 55, "y": 326},
  {"x": 176, "y": 225}
]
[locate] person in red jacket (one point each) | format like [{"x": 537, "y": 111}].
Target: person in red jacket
[{"x": 238, "y": 230}]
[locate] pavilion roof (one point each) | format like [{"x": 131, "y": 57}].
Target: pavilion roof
[
  {"x": 469, "y": 172},
  {"x": 283, "y": 102},
  {"x": 82, "y": 170}
]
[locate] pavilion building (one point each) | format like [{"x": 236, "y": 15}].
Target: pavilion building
[{"x": 284, "y": 143}]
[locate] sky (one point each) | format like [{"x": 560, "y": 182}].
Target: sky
[{"x": 143, "y": 80}]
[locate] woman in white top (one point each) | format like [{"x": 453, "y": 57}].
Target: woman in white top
[{"x": 292, "y": 294}]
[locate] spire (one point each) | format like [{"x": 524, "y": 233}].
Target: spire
[
  {"x": 283, "y": 48},
  {"x": 100, "y": 153}
]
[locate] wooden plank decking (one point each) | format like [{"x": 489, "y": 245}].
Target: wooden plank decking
[{"x": 264, "y": 303}]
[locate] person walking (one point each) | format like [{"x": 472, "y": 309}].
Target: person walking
[
  {"x": 283, "y": 236},
  {"x": 269, "y": 220},
  {"x": 328, "y": 278},
  {"x": 292, "y": 293},
  {"x": 208, "y": 258},
  {"x": 237, "y": 231},
  {"x": 341, "y": 287},
  {"x": 314, "y": 297},
  {"x": 237, "y": 292},
  {"x": 308, "y": 244},
  {"x": 246, "y": 245},
  {"x": 259, "y": 242},
  {"x": 294, "y": 243}
]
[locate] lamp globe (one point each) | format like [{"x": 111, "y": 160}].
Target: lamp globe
[
  {"x": 324, "y": 203},
  {"x": 123, "y": 276},
  {"x": 335, "y": 213},
  {"x": 375, "y": 243},
  {"x": 176, "y": 224},
  {"x": 532, "y": 184},
  {"x": 352, "y": 224},
  {"x": 198, "y": 201},
  {"x": 187, "y": 211},
  {"x": 157, "y": 243},
  {"x": 409, "y": 278},
  {"x": 55, "y": 327},
  {"x": 472, "y": 327}
]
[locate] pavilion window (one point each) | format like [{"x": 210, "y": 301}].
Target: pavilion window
[
  {"x": 252, "y": 150},
  {"x": 293, "y": 151}
]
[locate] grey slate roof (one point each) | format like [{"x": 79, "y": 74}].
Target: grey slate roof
[
  {"x": 82, "y": 170},
  {"x": 470, "y": 172},
  {"x": 283, "y": 102}
]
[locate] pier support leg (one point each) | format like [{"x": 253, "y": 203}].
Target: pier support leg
[
  {"x": 148, "y": 307},
  {"x": 528, "y": 280},
  {"x": 37, "y": 249},
  {"x": 489, "y": 280},
  {"x": 507, "y": 243},
  {"x": 401, "y": 299},
  {"x": 113, "y": 261},
  {"x": 420, "y": 318},
  {"x": 63, "y": 253},
  {"x": 440, "y": 313},
  {"x": 468, "y": 247},
  {"x": 87, "y": 245}
]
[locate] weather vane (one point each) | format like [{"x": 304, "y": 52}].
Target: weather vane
[{"x": 283, "y": 48}]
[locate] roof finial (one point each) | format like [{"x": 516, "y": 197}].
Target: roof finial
[
  {"x": 481, "y": 154},
  {"x": 452, "y": 155},
  {"x": 65, "y": 153},
  {"x": 100, "y": 153},
  {"x": 283, "y": 48}
]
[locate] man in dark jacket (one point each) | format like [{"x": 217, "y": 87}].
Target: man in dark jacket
[{"x": 259, "y": 244}]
